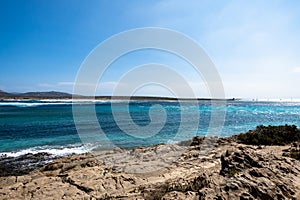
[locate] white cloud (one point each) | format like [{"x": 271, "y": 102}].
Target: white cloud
[
  {"x": 45, "y": 85},
  {"x": 255, "y": 41},
  {"x": 254, "y": 45},
  {"x": 66, "y": 83},
  {"x": 296, "y": 70}
]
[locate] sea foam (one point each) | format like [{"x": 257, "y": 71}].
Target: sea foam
[{"x": 55, "y": 151}]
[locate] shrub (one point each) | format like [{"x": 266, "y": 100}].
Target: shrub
[
  {"x": 295, "y": 154},
  {"x": 270, "y": 135}
]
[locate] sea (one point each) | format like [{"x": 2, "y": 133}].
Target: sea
[{"x": 48, "y": 126}]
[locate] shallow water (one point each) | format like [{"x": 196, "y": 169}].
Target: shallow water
[{"x": 41, "y": 126}]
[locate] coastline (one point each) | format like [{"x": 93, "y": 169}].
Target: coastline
[
  {"x": 107, "y": 98},
  {"x": 221, "y": 168},
  {"x": 55, "y": 95}
]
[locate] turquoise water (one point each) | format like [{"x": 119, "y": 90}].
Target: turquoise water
[{"x": 33, "y": 126}]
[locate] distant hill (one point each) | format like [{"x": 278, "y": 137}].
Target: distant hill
[
  {"x": 51, "y": 94},
  {"x": 4, "y": 94},
  {"x": 63, "y": 95},
  {"x": 38, "y": 95}
]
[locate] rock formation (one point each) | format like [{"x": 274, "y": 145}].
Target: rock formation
[{"x": 211, "y": 168}]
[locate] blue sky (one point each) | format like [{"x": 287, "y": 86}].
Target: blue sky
[{"x": 255, "y": 45}]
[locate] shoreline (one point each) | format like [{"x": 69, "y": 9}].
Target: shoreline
[
  {"x": 236, "y": 167},
  {"x": 62, "y": 95},
  {"x": 209, "y": 168},
  {"x": 16, "y": 165},
  {"x": 125, "y": 98},
  {"x": 104, "y": 99}
]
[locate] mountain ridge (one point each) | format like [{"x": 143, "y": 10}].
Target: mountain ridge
[
  {"x": 28, "y": 95},
  {"x": 64, "y": 95}
]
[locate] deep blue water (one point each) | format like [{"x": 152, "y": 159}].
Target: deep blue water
[{"x": 42, "y": 126}]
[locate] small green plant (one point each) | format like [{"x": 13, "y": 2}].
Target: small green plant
[
  {"x": 232, "y": 172},
  {"x": 83, "y": 165},
  {"x": 67, "y": 168},
  {"x": 295, "y": 154}
]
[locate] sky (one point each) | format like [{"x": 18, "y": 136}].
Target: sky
[{"x": 255, "y": 45}]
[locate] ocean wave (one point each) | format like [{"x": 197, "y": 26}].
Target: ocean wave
[
  {"x": 53, "y": 150},
  {"x": 289, "y": 100},
  {"x": 36, "y": 103},
  {"x": 22, "y": 104}
]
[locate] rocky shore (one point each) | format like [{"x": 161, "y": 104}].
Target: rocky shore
[{"x": 246, "y": 166}]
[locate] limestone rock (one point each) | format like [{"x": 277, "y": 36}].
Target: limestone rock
[{"x": 210, "y": 169}]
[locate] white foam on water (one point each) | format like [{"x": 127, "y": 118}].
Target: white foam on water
[
  {"x": 30, "y": 104},
  {"x": 273, "y": 99},
  {"x": 55, "y": 151},
  {"x": 45, "y": 102}
]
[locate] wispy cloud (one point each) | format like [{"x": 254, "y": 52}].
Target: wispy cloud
[
  {"x": 254, "y": 44},
  {"x": 256, "y": 41},
  {"x": 66, "y": 83},
  {"x": 296, "y": 70},
  {"x": 46, "y": 85}
]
